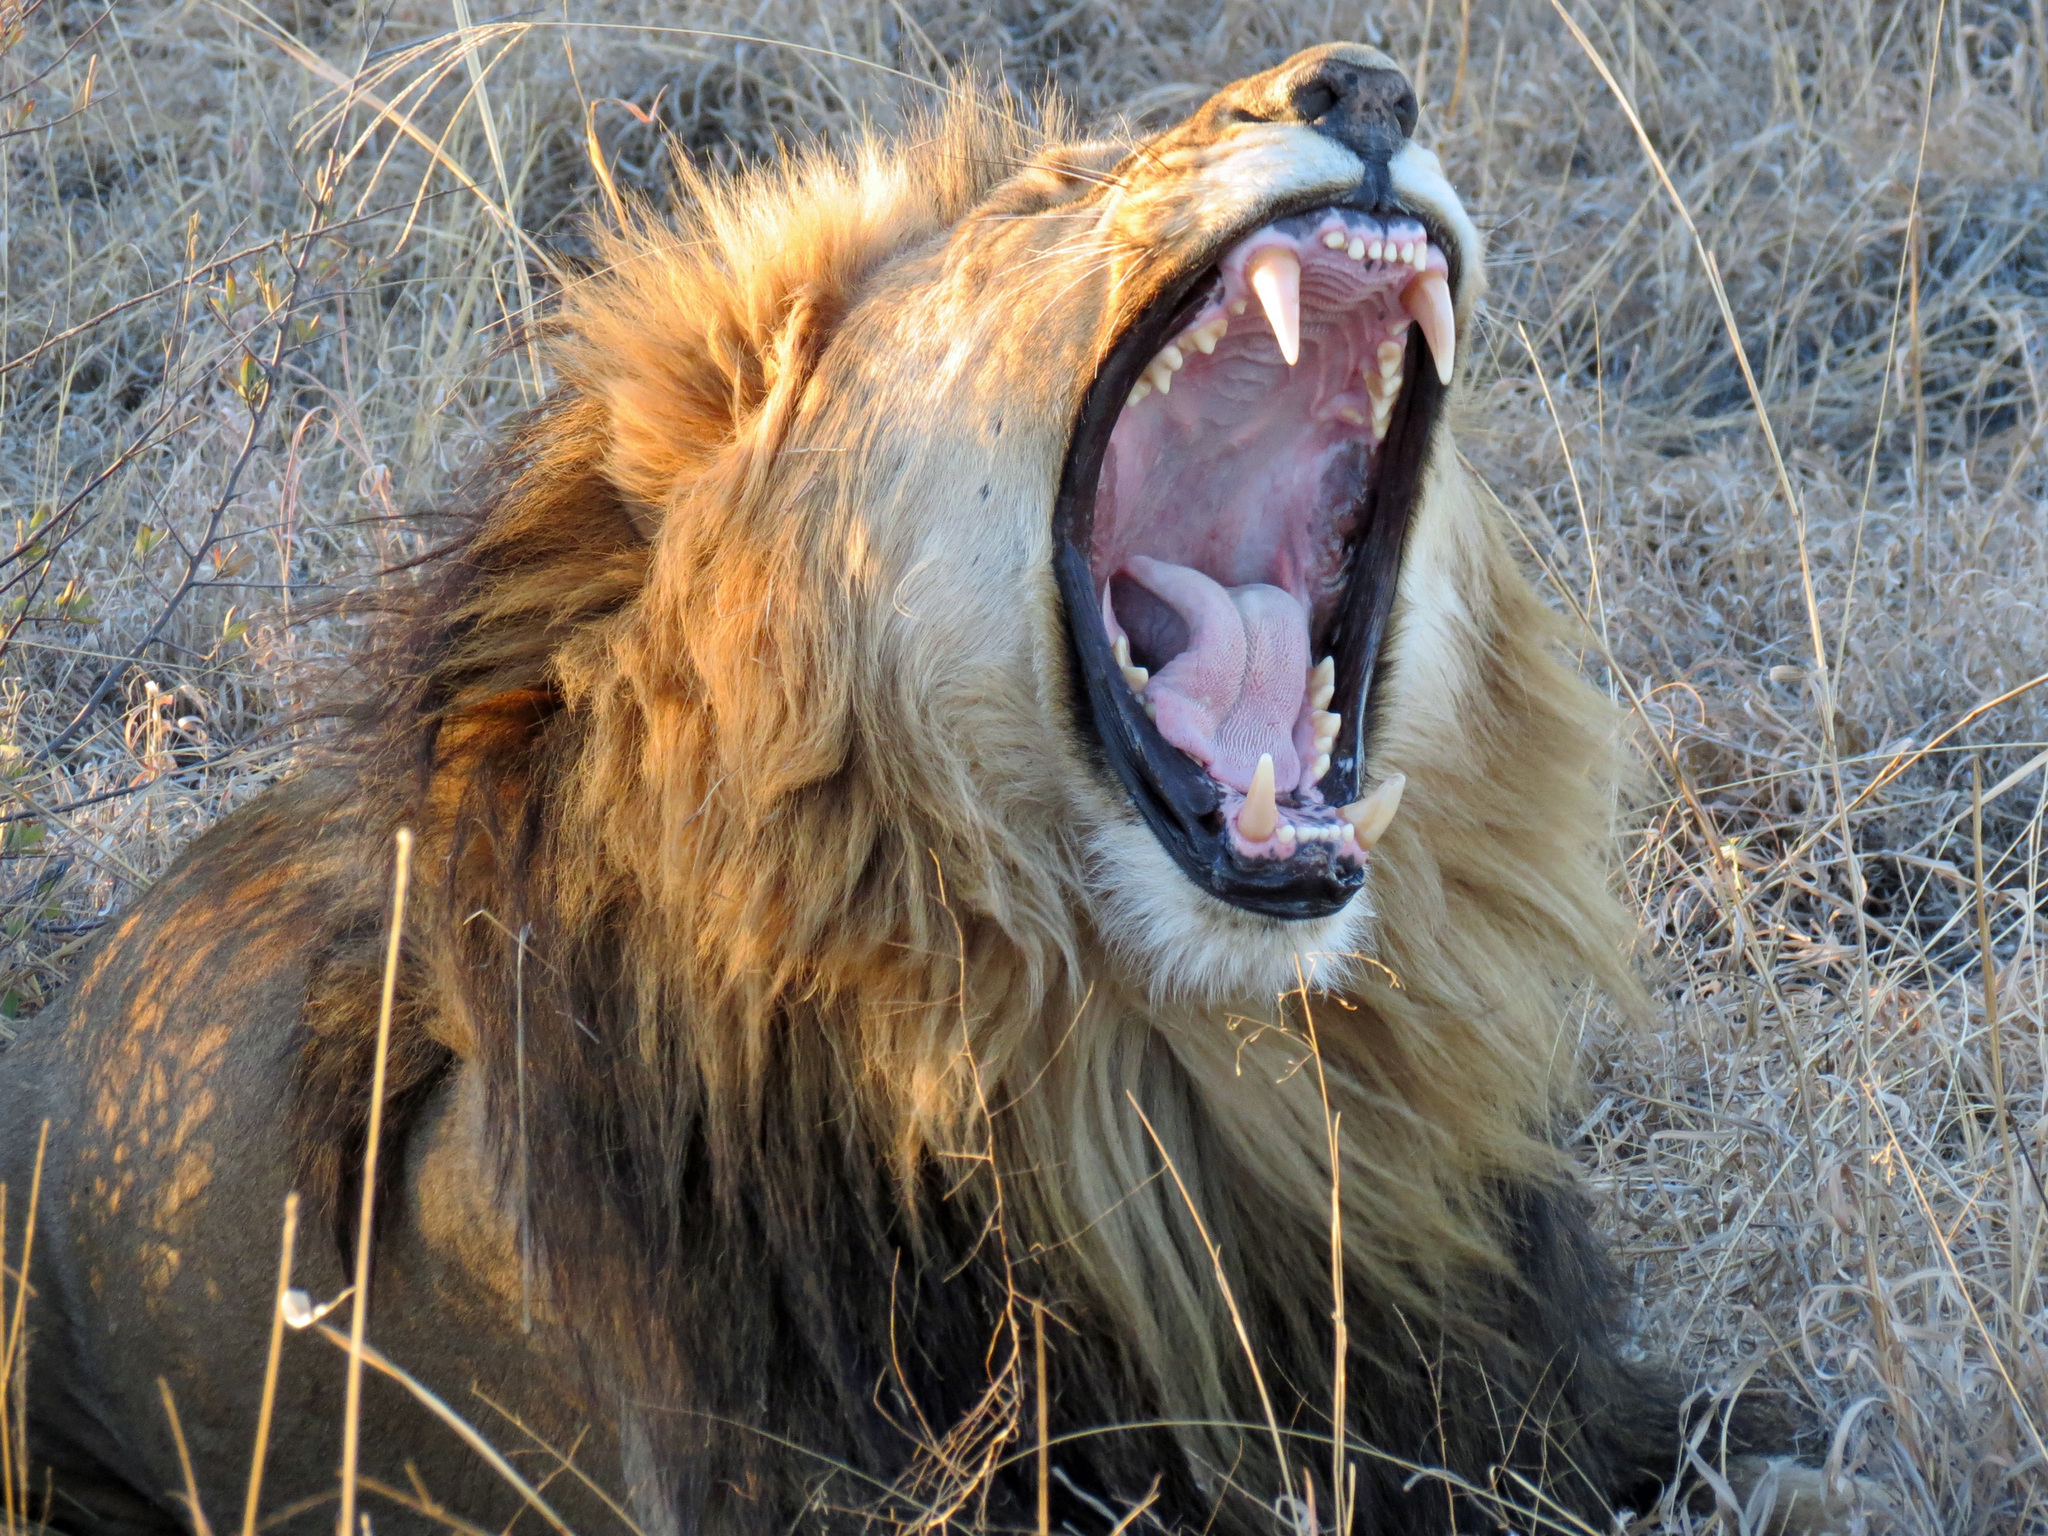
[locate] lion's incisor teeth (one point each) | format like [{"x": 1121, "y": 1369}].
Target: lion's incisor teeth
[
  {"x": 1275, "y": 275},
  {"x": 1322, "y": 683},
  {"x": 1260, "y": 813},
  {"x": 1371, "y": 816},
  {"x": 1428, "y": 302},
  {"x": 1289, "y": 838}
]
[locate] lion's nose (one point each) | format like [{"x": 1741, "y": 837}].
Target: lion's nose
[{"x": 1354, "y": 94}]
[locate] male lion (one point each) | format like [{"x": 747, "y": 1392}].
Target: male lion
[{"x": 915, "y": 893}]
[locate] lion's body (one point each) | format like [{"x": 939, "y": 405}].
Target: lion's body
[
  {"x": 795, "y": 1021},
  {"x": 164, "y": 1074}
]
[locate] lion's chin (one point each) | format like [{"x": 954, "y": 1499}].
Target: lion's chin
[{"x": 1180, "y": 944}]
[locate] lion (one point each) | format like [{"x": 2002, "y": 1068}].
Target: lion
[{"x": 1000, "y": 848}]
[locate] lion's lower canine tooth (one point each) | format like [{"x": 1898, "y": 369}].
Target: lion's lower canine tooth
[
  {"x": 1275, "y": 275},
  {"x": 1135, "y": 676},
  {"x": 1260, "y": 813},
  {"x": 1428, "y": 302},
  {"x": 1322, "y": 683},
  {"x": 1371, "y": 816}
]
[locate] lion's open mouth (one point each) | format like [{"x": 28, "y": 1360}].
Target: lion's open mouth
[{"x": 1237, "y": 495}]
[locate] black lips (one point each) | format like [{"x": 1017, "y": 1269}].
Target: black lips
[{"x": 1179, "y": 802}]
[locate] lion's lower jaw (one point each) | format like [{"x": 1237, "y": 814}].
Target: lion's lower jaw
[{"x": 1181, "y": 944}]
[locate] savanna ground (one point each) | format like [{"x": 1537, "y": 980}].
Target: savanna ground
[{"x": 263, "y": 272}]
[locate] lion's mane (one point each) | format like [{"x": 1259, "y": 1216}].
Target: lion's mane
[{"x": 777, "y": 959}]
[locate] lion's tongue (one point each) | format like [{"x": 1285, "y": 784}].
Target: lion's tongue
[{"x": 1237, "y": 691}]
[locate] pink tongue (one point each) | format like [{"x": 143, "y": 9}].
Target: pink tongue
[{"x": 1236, "y": 692}]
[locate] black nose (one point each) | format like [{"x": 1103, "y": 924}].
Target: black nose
[{"x": 1347, "y": 91}]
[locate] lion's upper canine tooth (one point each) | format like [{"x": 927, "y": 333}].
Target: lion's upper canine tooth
[
  {"x": 1322, "y": 683},
  {"x": 1260, "y": 813},
  {"x": 1275, "y": 275},
  {"x": 1371, "y": 816},
  {"x": 1428, "y": 302}
]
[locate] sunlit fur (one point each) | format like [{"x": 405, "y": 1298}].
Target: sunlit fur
[{"x": 750, "y": 689}]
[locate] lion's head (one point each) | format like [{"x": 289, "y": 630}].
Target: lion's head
[
  {"x": 944, "y": 662},
  {"x": 1092, "y": 506}
]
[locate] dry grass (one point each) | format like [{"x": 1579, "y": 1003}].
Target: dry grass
[{"x": 246, "y": 322}]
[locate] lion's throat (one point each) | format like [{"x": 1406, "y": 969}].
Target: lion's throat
[{"x": 1235, "y": 685}]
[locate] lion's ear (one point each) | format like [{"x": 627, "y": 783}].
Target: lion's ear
[
  {"x": 697, "y": 334},
  {"x": 680, "y": 397}
]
